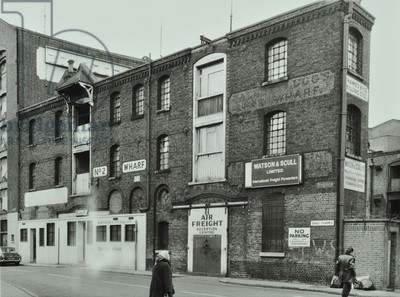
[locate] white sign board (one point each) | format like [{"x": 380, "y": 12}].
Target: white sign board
[
  {"x": 323, "y": 223},
  {"x": 354, "y": 175},
  {"x": 133, "y": 166},
  {"x": 299, "y": 237},
  {"x": 100, "y": 171},
  {"x": 356, "y": 88}
]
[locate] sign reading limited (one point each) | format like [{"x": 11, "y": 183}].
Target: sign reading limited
[{"x": 276, "y": 171}]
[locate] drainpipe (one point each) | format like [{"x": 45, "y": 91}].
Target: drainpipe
[
  {"x": 343, "y": 120},
  {"x": 371, "y": 195}
]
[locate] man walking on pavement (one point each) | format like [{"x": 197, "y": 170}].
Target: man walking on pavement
[{"x": 345, "y": 269}]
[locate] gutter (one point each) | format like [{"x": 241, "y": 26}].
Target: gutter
[{"x": 343, "y": 123}]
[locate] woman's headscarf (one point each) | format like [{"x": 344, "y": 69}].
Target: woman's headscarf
[{"x": 162, "y": 255}]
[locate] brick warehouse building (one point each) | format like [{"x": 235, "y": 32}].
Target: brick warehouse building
[{"x": 242, "y": 156}]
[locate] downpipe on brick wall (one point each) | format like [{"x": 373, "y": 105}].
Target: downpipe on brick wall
[{"x": 343, "y": 120}]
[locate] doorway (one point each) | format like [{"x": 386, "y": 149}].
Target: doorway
[
  {"x": 392, "y": 260},
  {"x": 207, "y": 255},
  {"x": 33, "y": 246}
]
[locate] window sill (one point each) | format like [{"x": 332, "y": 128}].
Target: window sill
[
  {"x": 32, "y": 190},
  {"x": 163, "y": 110},
  {"x": 353, "y": 156},
  {"x": 193, "y": 183},
  {"x": 79, "y": 195},
  {"x": 114, "y": 177},
  {"x": 163, "y": 171},
  {"x": 58, "y": 138},
  {"x": 272, "y": 254},
  {"x": 31, "y": 145},
  {"x": 137, "y": 117},
  {"x": 275, "y": 81},
  {"x": 355, "y": 74},
  {"x": 115, "y": 123}
]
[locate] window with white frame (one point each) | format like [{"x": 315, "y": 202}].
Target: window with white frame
[
  {"x": 138, "y": 101},
  {"x": 273, "y": 225},
  {"x": 277, "y": 60},
  {"x": 355, "y": 51},
  {"x": 275, "y": 139},
  {"x": 115, "y": 108},
  {"x": 353, "y": 131},
  {"x": 164, "y": 93},
  {"x": 115, "y": 164},
  {"x": 209, "y": 118},
  {"x": 163, "y": 152}
]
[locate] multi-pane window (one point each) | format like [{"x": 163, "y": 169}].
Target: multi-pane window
[
  {"x": 58, "y": 124},
  {"x": 138, "y": 101},
  {"x": 353, "y": 131},
  {"x": 395, "y": 177},
  {"x": 275, "y": 134},
  {"x": 23, "y": 235},
  {"x": 41, "y": 237},
  {"x": 115, "y": 108},
  {"x": 58, "y": 171},
  {"x": 115, "y": 233},
  {"x": 32, "y": 175},
  {"x": 115, "y": 164},
  {"x": 130, "y": 233},
  {"x": 32, "y": 131},
  {"x": 50, "y": 234},
  {"x": 71, "y": 233},
  {"x": 163, "y": 152},
  {"x": 164, "y": 93},
  {"x": 115, "y": 202},
  {"x": 101, "y": 233},
  {"x": 273, "y": 223},
  {"x": 277, "y": 60},
  {"x": 2, "y": 76},
  {"x": 355, "y": 51}
]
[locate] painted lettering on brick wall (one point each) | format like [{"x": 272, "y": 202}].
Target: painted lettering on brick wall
[{"x": 296, "y": 89}]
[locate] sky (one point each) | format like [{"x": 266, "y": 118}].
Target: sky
[{"x": 157, "y": 28}]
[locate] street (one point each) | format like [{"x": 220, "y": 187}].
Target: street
[{"x": 83, "y": 282}]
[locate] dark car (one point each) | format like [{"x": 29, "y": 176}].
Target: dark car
[{"x": 9, "y": 255}]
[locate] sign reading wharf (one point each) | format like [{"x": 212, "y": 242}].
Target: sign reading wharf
[{"x": 276, "y": 171}]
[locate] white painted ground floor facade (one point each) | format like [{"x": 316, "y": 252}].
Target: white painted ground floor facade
[{"x": 97, "y": 239}]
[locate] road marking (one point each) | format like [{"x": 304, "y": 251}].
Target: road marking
[
  {"x": 202, "y": 294},
  {"x": 20, "y": 270},
  {"x": 124, "y": 284},
  {"x": 25, "y": 291},
  {"x": 66, "y": 276}
]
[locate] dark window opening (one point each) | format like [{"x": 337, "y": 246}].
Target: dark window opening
[
  {"x": 82, "y": 162},
  {"x": 50, "y": 234},
  {"x": 163, "y": 235},
  {"x": 82, "y": 112}
]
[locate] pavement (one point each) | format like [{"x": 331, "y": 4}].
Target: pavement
[{"x": 8, "y": 290}]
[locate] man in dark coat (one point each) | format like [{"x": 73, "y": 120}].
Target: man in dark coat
[
  {"x": 161, "y": 280},
  {"x": 345, "y": 269}
]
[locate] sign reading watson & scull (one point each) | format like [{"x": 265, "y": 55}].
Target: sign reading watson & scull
[{"x": 276, "y": 171}]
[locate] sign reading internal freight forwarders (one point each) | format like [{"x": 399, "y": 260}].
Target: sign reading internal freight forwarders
[{"x": 276, "y": 171}]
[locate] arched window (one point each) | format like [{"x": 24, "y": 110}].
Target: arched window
[
  {"x": 58, "y": 171},
  {"x": 115, "y": 164},
  {"x": 353, "y": 131},
  {"x": 273, "y": 226},
  {"x": 163, "y": 152},
  {"x": 164, "y": 93},
  {"x": 277, "y": 59},
  {"x": 355, "y": 51},
  {"x": 115, "y": 202},
  {"x": 275, "y": 138},
  {"x": 58, "y": 124},
  {"x": 138, "y": 101},
  {"x": 115, "y": 108},
  {"x": 32, "y": 131},
  {"x": 137, "y": 200}
]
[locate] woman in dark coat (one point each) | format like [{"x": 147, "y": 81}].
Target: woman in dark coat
[{"x": 161, "y": 280}]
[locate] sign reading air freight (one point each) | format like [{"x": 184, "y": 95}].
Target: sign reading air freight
[
  {"x": 133, "y": 166},
  {"x": 208, "y": 221},
  {"x": 299, "y": 237},
  {"x": 276, "y": 171},
  {"x": 354, "y": 175},
  {"x": 356, "y": 88}
]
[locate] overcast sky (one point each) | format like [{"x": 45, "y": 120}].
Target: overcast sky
[{"x": 160, "y": 27}]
